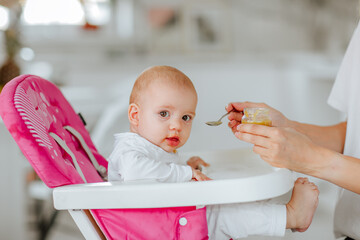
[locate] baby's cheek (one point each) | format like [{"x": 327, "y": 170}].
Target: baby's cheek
[{"x": 183, "y": 141}]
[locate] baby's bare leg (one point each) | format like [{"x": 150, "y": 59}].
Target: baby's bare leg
[{"x": 302, "y": 205}]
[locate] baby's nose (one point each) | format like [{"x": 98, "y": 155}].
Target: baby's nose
[{"x": 175, "y": 124}]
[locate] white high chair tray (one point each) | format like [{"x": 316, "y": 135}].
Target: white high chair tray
[{"x": 238, "y": 176}]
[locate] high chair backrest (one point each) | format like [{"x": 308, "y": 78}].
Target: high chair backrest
[{"x": 40, "y": 119}]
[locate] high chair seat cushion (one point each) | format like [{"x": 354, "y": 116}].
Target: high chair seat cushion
[
  {"x": 181, "y": 223},
  {"x": 31, "y": 107}
]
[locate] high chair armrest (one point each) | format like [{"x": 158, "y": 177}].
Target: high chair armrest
[{"x": 152, "y": 194}]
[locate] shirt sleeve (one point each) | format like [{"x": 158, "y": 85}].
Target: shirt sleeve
[
  {"x": 137, "y": 166},
  {"x": 346, "y": 83}
]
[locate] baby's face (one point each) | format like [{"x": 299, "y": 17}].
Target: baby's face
[{"x": 166, "y": 114}]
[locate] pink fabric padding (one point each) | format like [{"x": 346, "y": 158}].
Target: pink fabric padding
[
  {"x": 154, "y": 224},
  {"x": 31, "y": 107}
]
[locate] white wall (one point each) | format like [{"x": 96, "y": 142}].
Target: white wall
[{"x": 296, "y": 84}]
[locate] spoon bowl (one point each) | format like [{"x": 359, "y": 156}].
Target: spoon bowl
[
  {"x": 214, "y": 123},
  {"x": 218, "y": 122}
]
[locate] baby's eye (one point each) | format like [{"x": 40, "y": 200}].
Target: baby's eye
[
  {"x": 186, "y": 118},
  {"x": 164, "y": 113}
]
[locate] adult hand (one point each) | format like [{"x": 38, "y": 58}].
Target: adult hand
[
  {"x": 278, "y": 119},
  {"x": 282, "y": 147}
]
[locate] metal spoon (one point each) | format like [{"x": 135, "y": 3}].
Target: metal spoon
[{"x": 218, "y": 122}]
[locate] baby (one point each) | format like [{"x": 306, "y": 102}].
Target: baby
[{"x": 162, "y": 107}]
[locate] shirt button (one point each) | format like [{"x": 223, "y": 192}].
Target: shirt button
[{"x": 183, "y": 221}]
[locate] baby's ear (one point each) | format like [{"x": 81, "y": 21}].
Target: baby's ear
[{"x": 133, "y": 114}]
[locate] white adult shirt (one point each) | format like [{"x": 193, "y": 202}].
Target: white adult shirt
[
  {"x": 345, "y": 96},
  {"x": 135, "y": 158}
]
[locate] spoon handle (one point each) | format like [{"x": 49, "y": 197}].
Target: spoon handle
[{"x": 226, "y": 114}]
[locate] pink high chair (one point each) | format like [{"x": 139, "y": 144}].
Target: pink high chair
[{"x": 54, "y": 140}]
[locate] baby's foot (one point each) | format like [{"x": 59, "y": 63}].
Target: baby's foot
[{"x": 302, "y": 205}]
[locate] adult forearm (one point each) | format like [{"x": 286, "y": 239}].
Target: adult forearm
[
  {"x": 331, "y": 137},
  {"x": 337, "y": 168},
  {"x": 325, "y": 159}
]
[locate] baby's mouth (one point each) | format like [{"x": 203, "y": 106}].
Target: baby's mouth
[{"x": 173, "y": 141}]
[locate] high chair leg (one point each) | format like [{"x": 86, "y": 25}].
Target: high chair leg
[{"x": 87, "y": 225}]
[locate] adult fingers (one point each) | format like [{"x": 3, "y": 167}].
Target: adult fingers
[
  {"x": 236, "y": 106},
  {"x": 235, "y": 116},
  {"x": 256, "y": 129},
  {"x": 257, "y": 140},
  {"x": 233, "y": 125},
  {"x": 229, "y": 107}
]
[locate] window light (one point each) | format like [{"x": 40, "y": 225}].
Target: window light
[
  {"x": 41, "y": 12},
  {"x": 4, "y": 18}
]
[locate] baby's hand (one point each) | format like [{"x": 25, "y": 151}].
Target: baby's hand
[
  {"x": 196, "y": 162},
  {"x": 199, "y": 176}
]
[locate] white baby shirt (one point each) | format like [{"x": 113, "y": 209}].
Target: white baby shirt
[
  {"x": 135, "y": 158},
  {"x": 345, "y": 96}
]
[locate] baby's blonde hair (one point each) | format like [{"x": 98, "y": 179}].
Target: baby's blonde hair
[{"x": 165, "y": 74}]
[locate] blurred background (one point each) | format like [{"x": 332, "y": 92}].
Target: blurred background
[{"x": 285, "y": 53}]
